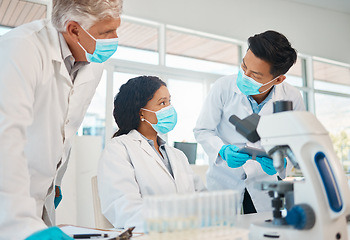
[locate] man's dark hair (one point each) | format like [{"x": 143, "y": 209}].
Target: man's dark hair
[
  {"x": 133, "y": 96},
  {"x": 274, "y": 48}
]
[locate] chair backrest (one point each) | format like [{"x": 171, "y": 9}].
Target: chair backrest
[
  {"x": 189, "y": 149},
  {"x": 100, "y": 220}
]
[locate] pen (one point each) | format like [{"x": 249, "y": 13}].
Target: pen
[{"x": 89, "y": 236}]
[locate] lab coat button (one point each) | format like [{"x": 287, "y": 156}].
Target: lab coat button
[{"x": 67, "y": 121}]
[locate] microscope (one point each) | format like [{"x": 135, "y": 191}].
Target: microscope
[{"x": 318, "y": 207}]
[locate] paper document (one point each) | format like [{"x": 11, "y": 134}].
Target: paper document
[{"x": 74, "y": 230}]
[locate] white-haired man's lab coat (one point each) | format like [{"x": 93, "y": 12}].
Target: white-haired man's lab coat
[{"x": 40, "y": 112}]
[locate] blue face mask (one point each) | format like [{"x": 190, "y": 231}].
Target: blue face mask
[
  {"x": 167, "y": 119},
  {"x": 248, "y": 85},
  {"x": 104, "y": 49}
]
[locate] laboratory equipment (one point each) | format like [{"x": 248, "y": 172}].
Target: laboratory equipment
[
  {"x": 178, "y": 215},
  {"x": 317, "y": 207}
]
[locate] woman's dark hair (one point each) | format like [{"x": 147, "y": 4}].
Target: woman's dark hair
[
  {"x": 274, "y": 48},
  {"x": 132, "y": 96}
]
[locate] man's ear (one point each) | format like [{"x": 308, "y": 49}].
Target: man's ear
[
  {"x": 73, "y": 30},
  {"x": 280, "y": 79}
]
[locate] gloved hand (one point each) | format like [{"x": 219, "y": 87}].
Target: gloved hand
[
  {"x": 58, "y": 196},
  {"x": 51, "y": 233},
  {"x": 267, "y": 165},
  {"x": 233, "y": 158}
]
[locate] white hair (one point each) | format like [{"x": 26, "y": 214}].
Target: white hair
[{"x": 84, "y": 12}]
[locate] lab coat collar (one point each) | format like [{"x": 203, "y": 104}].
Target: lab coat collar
[
  {"x": 55, "y": 43},
  {"x": 136, "y": 136},
  {"x": 234, "y": 86},
  {"x": 56, "y": 53},
  {"x": 277, "y": 95}
]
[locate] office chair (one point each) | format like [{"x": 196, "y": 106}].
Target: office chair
[{"x": 100, "y": 220}]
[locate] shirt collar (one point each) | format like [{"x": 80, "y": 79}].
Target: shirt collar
[
  {"x": 257, "y": 107},
  {"x": 65, "y": 51},
  {"x": 160, "y": 141}
]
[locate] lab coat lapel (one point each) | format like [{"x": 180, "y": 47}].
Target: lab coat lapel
[
  {"x": 173, "y": 162},
  {"x": 149, "y": 150},
  {"x": 276, "y": 96},
  {"x": 246, "y": 105},
  {"x": 244, "y": 100},
  {"x": 64, "y": 72},
  {"x": 85, "y": 74}
]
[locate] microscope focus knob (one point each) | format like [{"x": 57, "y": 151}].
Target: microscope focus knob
[{"x": 301, "y": 216}]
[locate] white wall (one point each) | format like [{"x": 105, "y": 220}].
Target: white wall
[{"x": 313, "y": 31}]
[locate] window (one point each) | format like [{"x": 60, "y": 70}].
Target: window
[
  {"x": 187, "y": 98},
  {"x": 334, "y": 113},
  {"x": 331, "y": 73},
  {"x": 295, "y": 74},
  {"x": 198, "y": 53},
  {"x": 137, "y": 42},
  {"x": 94, "y": 121},
  {"x": 330, "y": 77},
  {"x": 332, "y": 105},
  {"x": 193, "y": 61}
]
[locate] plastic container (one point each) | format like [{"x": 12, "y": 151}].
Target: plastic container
[{"x": 186, "y": 212}]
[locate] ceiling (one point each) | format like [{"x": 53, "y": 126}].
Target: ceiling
[
  {"x": 16, "y": 12},
  {"x": 335, "y": 5}
]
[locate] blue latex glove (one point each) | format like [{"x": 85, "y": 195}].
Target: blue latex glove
[
  {"x": 267, "y": 165},
  {"x": 233, "y": 158},
  {"x": 52, "y": 233},
  {"x": 58, "y": 196}
]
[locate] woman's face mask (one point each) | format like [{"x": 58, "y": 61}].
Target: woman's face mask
[
  {"x": 104, "y": 49},
  {"x": 167, "y": 119},
  {"x": 248, "y": 85}
]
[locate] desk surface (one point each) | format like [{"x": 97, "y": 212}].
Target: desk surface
[{"x": 242, "y": 232}]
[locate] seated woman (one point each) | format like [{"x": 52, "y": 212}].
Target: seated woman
[{"x": 137, "y": 162}]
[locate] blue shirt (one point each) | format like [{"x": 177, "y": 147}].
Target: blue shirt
[
  {"x": 257, "y": 107},
  {"x": 163, "y": 155}
]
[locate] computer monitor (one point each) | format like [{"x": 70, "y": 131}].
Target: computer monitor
[{"x": 189, "y": 149}]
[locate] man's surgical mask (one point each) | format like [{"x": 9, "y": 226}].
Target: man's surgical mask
[
  {"x": 167, "y": 119},
  {"x": 104, "y": 49},
  {"x": 248, "y": 85}
]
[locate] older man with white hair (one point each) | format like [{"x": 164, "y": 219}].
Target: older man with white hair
[{"x": 49, "y": 71}]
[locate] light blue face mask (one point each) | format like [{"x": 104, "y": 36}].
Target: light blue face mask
[
  {"x": 167, "y": 119},
  {"x": 248, "y": 85},
  {"x": 104, "y": 49}
]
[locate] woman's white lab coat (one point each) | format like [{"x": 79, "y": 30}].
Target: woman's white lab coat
[
  {"x": 40, "y": 112},
  {"x": 213, "y": 130},
  {"x": 130, "y": 168}
]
